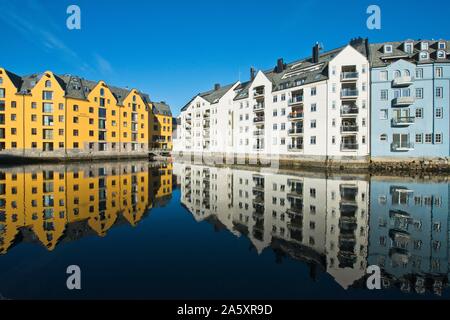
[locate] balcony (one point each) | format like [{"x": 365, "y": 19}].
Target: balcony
[
  {"x": 349, "y": 93},
  {"x": 402, "y": 146},
  {"x": 258, "y": 107},
  {"x": 258, "y": 94},
  {"x": 349, "y": 146},
  {"x": 295, "y": 100},
  {"x": 258, "y": 147},
  {"x": 351, "y": 128},
  {"x": 294, "y": 116},
  {"x": 258, "y": 120},
  {"x": 347, "y": 110},
  {"x": 295, "y": 131},
  {"x": 403, "y": 121},
  {"x": 349, "y": 76},
  {"x": 295, "y": 148},
  {"x": 258, "y": 133},
  {"x": 403, "y": 101},
  {"x": 404, "y": 81}
]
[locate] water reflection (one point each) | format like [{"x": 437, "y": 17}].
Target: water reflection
[
  {"x": 336, "y": 224},
  {"x": 50, "y": 204}
]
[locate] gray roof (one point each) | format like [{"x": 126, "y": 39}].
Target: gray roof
[
  {"x": 212, "y": 96},
  {"x": 380, "y": 59},
  {"x": 161, "y": 108},
  {"x": 75, "y": 87},
  {"x": 294, "y": 74}
]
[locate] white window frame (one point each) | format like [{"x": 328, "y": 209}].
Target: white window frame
[{"x": 388, "y": 48}]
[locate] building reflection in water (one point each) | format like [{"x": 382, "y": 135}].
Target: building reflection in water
[
  {"x": 55, "y": 203},
  {"x": 335, "y": 224}
]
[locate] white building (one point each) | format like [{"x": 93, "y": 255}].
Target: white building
[{"x": 314, "y": 109}]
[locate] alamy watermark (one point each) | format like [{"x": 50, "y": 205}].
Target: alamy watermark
[
  {"x": 74, "y": 280},
  {"x": 374, "y": 19},
  {"x": 73, "y": 22}
]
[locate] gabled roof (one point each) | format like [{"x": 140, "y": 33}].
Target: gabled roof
[
  {"x": 15, "y": 79},
  {"x": 161, "y": 108},
  {"x": 212, "y": 96},
  {"x": 296, "y": 73}
]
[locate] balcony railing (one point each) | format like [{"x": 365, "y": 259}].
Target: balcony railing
[
  {"x": 258, "y": 93},
  {"x": 258, "y": 107},
  {"x": 403, "y": 101},
  {"x": 258, "y": 132},
  {"x": 349, "y": 146},
  {"x": 349, "y": 110},
  {"x": 258, "y": 119},
  {"x": 349, "y": 128},
  {"x": 349, "y": 93},
  {"x": 295, "y": 100},
  {"x": 403, "y": 121},
  {"x": 293, "y": 131},
  {"x": 258, "y": 147},
  {"x": 404, "y": 81},
  {"x": 295, "y": 148},
  {"x": 349, "y": 76},
  {"x": 296, "y": 116},
  {"x": 402, "y": 146}
]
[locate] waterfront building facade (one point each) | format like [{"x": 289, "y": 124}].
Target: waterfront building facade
[
  {"x": 314, "y": 109},
  {"x": 410, "y": 100},
  {"x": 161, "y": 126},
  {"x": 50, "y": 116}
]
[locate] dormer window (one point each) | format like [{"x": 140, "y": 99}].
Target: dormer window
[
  {"x": 408, "y": 47},
  {"x": 423, "y": 56},
  {"x": 424, "y": 45},
  {"x": 441, "y": 54},
  {"x": 388, "y": 48},
  {"x": 442, "y": 45}
]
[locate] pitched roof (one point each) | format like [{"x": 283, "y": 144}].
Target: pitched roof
[
  {"x": 294, "y": 74},
  {"x": 161, "y": 108},
  {"x": 380, "y": 59},
  {"x": 75, "y": 87},
  {"x": 212, "y": 96}
]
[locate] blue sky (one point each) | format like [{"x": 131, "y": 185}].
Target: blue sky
[{"x": 174, "y": 49}]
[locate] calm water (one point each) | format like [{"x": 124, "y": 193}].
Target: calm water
[{"x": 140, "y": 230}]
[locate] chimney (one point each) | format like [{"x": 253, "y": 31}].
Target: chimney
[
  {"x": 280, "y": 65},
  {"x": 315, "y": 53},
  {"x": 216, "y": 86},
  {"x": 252, "y": 74}
]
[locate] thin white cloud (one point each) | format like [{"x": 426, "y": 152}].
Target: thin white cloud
[
  {"x": 42, "y": 32},
  {"x": 103, "y": 65}
]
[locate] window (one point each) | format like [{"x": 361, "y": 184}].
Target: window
[
  {"x": 75, "y": 145},
  {"x": 275, "y": 112},
  {"x": 48, "y": 84},
  {"x": 439, "y": 92},
  {"x": 423, "y": 55},
  {"x": 428, "y": 138},
  {"x": 397, "y": 74},
  {"x": 313, "y": 91},
  {"x": 383, "y": 75},
  {"x": 47, "y": 95},
  {"x": 313, "y": 124},
  {"x": 102, "y": 92},
  {"x": 439, "y": 72},
  {"x": 419, "y": 113},
  {"x": 275, "y": 126},
  {"x": 419, "y": 138},
  {"x": 47, "y": 107},
  {"x": 13, "y": 104},
  {"x": 424, "y": 45},
  {"x": 387, "y": 48},
  {"x": 408, "y": 47},
  {"x": 75, "y": 108},
  {"x": 439, "y": 113},
  {"x": 438, "y": 138},
  {"x": 283, "y": 97},
  {"x": 384, "y": 95},
  {"x": 383, "y": 114},
  {"x": 275, "y": 98},
  {"x": 441, "y": 54},
  {"x": 313, "y": 107},
  {"x": 313, "y": 140},
  {"x": 419, "y": 93},
  {"x": 13, "y": 117},
  {"x": 61, "y": 106},
  {"x": 383, "y": 137},
  {"x": 419, "y": 73},
  {"x": 33, "y": 105},
  {"x": 75, "y": 119}
]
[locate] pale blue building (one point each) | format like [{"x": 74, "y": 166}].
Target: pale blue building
[{"x": 410, "y": 88}]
